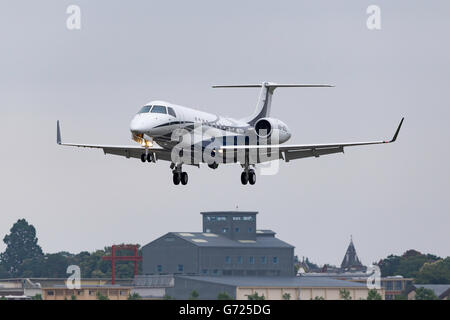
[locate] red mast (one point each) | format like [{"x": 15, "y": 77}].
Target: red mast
[{"x": 113, "y": 258}]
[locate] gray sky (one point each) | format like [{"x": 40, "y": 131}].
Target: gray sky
[{"x": 390, "y": 198}]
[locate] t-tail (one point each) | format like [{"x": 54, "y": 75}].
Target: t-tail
[{"x": 265, "y": 97}]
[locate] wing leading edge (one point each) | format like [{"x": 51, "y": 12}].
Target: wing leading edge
[{"x": 125, "y": 151}]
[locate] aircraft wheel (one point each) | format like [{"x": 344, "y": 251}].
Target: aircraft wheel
[
  {"x": 244, "y": 178},
  {"x": 149, "y": 157},
  {"x": 143, "y": 157},
  {"x": 252, "y": 177},
  {"x": 184, "y": 178},
  {"x": 176, "y": 178}
]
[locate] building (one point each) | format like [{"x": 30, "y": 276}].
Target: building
[
  {"x": 351, "y": 262},
  {"x": 86, "y": 292},
  {"x": 272, "y": 288},
  {"x": 56, "y": 289},
  {"x": 230, "y": 245},
  {"x": 442, "y": 291}
]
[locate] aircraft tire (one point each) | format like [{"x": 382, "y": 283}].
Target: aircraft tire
[
  {"x": 252, "y": 177},
  {"x": 143, "y": 157},
  {"x": 244, "y": 178},
  {"x": 176, "y": 178},
  {"x": 184, "y": 178}
]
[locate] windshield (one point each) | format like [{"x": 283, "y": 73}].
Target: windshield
[
  {"x": 145, "y": 109},
  {"x": 159, "y": 109}
]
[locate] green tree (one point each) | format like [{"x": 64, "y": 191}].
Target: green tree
[
  {"x": 101, "y": 296},
  {"x": 425, "y": 294},
  {"x": 345, "y": 294},
  {"x": 407, "y": 265},
  {"x": 286, "y": 296},
  {"x": 73, "y": 297},
  {"x": 437, "y": 272},
  {"x": 37, "y": 296},
  {"x": 3, "y": 272},
  {"x": 373, "y": 295},
  {"x": 318, "y": 298},
  {"x": 134, "y": 296},
  {"x": 194, "y": 295},
  {"x": 256, "y": 296},
  {"x": 21, "y": 244},
  {"x": 167, "y": 297},
  {"x": 224, "y": 296}
]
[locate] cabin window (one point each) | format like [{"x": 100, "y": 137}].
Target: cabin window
[
  {"x": 145, "y": 109},
  {"x": 159, "y": 109},
  {"x": 171, "y": 112}
]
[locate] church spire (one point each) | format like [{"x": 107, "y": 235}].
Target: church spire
[{"x": 351, "y": 261}]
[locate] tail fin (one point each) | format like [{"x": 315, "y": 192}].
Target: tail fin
[{"x": 265, "y": 97}]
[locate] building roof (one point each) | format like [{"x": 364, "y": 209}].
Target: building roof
[
  {"x": 287, "y": 282},
  {"x": 202, "y": 239},
  {"x": 234, "y": 212},
  {"x": 440, "y": 290},
  {"x": 351, "y": 260}
]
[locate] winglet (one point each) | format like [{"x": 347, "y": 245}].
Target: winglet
[
  {"x": 398, "y": 130},
  {"x": 58, "y": 133}
]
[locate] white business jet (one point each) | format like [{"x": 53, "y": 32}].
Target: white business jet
[{"x": 188, "y": 136}]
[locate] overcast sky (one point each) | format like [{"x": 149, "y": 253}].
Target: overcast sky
[{"x": 391, "y": 198}]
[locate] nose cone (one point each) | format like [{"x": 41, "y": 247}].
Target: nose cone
[{"x": 137, "y": 125}]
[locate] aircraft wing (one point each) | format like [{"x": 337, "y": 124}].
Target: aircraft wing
[
  {"x": 125, "y": 151},
  {"x": 291, "y": 152}
]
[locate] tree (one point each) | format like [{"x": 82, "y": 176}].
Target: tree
[
  {"x": 167, "y": 297},
  {"x": 101, "y": 296},
  {"x": 73, "y": 297},
  {"x": 286, "y": 296},
  {"x": 318, "y": 298},
  {"x": 345, "y": 294},
  {"x": 134, "y": 296},
  {"x": 437, "y": 272},
  {"x": 37, "y": 296},
  {"x": 425, "y": 294},
  {"x": 224, "y": 296},
  {"x": 194, "y": 295},
  {"x": 407, "y": 265},
  {"x": 3, "y": 272},
  {"x": 21, "y": 244},
  {"x": 256, "y": 296},
  {"x": 373, "y": 295}
]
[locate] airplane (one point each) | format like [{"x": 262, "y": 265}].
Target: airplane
[{"x": 222, "y": 140}]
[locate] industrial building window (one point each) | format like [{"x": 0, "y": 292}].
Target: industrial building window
[
  {"x": 247, "y": 218},
  {"x": 215, "y": 272},
  {"x": 180, "y": 268},
  {"x": 237, "y": 229},
  {"x": 211, "y": 218},
  {"x": 275, "y": 260},
  {"x": 237, "y": 218},
  {"x": 227, "y": 260},
  {"x": 251, "y": 260},
  {"x": 263, "y": 260},
  {"x": 250, "y": 230},
  {"x": 205, "y": 271},
  {"x": 225, "y": 230},
  {"x": 50, "y": 293},
  {"x": 159, "y": 268},
  {"x": 221, "y": 218},
  {"x": 239, "y": 260}
]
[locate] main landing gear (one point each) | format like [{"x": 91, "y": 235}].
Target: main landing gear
[
  {"x": 179, "y": 176},
  {"x": 248, "y": 176}
]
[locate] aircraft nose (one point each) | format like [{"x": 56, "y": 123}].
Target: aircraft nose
[{"x": 137, "y": 126}]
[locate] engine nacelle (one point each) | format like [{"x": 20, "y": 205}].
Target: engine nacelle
[{"x": 265, "y": 127}]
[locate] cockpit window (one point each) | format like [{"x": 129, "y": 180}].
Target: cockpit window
[
  {"x": 171, "y": 112},
  {"x": 145, "y": 109},
  {"x": 159, "y": 109}
]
